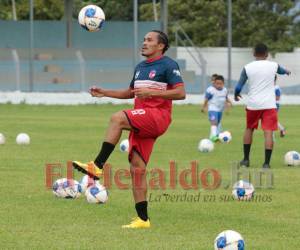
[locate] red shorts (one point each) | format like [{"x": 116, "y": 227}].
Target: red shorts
[
  {"x": 268, "y": 119},
  {"x": 147, "y": 124}
]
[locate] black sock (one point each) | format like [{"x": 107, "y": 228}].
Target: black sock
[
  {"x": 247, "y": 148},
  {"x": 141, "y": 209},
  {"x": 268, "y": 153},
  {"x": 105, "y": 152}
]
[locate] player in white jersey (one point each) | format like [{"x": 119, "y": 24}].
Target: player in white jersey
[
  {"x": 261, "y": 105},
  {"x": 278, "y": 95},
  {"x": 216, "y": 96}
]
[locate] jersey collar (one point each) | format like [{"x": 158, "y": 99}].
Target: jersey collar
[{"x": 154, "y": 59}]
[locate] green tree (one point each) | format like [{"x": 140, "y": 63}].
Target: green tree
[
  {"x": 43, "y": 9},
  {"x": 203, "y": 21},
  {"x": 114, "y": 9},
  {"x": 263, "y": 21},
  {"x": 253, "y": 21}
]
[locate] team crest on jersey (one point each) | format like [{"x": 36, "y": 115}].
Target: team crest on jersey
[
  {"x": 137, "y": 74},
  {"x": 152, "y": 74},
  {"x": 176, "y": 72}
]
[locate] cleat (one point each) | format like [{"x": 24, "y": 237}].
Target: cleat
[
  {"x": 266, "y": 166},
  {"x": 245, "y": 163},
  {"x": 282, "y": 133},
  {"x": 214, "y": 138},
  {"x": 89, "y": 168},
  {"x": 138, "y": 223}
]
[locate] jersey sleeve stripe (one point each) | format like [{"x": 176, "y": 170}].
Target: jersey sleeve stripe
[{"x": 178, "y": 84}]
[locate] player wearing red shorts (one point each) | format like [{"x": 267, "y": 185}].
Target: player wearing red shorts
[
  {"x": 156, "y": 82},
  {"x": 261, "y": 105}
]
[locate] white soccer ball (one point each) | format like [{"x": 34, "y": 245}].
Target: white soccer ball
[
  {"x": 292, "y": 158},
  {"x": 225, "y": 137},
  {"x": 96, "y": 194},
  {"x": 66, "y": 188},
  {"x": 205, "y": 145},
  {"x": 124, "y": 145},
  {"x": 87, "y": 181},
  {"x": 243, "y": 190},
  {"x": 2, "y": 139},
  {"x": 23, "y": 139},
  {"x": 229, "y": 240},
  {"x": 91, "y": 18}
]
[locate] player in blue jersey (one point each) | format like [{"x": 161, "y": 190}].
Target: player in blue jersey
[
  {"x": 216, "y": 97},
  {"x": 278, "y": 95},
  {"x": 156, "y": 82}
]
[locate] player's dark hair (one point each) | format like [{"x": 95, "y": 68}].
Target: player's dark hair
[
  {"x": 219, "y": 77},
  {"x": 214, "y": 76},
  {"x": 260, "y": 49},
  {"x": 162, "y": 38}
]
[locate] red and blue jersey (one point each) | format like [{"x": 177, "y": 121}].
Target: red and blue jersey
[{"x": 161, "y": 73}]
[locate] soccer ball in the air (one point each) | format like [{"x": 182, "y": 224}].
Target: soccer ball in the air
[
  {"x": 124, "y": 145},
  {"x": 225, "y": 137},
  {"x": 96, "y": 194},
  {"x": 292, "y": 158},
  {"x": 205, "y": 145},
  {"x": 2, "y": 139},
  {"x": 229, "y": 240},
  {"x": 66, "y": 188},
  {"x": 87, "y": 181},
  {"x": 243, "y": 190},
  {"x": 91, "y": 18},
  {"x": 23, "y": 139}
]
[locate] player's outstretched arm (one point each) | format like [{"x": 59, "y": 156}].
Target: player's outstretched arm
[
  {"x": 118, "y": 94},
  {"x": 204, "y": 107},
  {"x": 177, "y": 93},
  {"x": 238, "y": 88},
  {"x": 282, "y": 71}
]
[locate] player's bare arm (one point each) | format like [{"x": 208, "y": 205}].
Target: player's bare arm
[
  {"x": 177, "y": 93},
  {"x": 204, "y": 107},
  {"x": 119, "y": 94},
  {"x": 228, "y": 102}
]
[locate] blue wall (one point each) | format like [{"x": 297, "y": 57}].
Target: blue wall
[{"x": 52, "y": 34}]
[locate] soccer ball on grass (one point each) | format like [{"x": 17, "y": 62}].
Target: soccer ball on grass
[
  {"x": 225, "y": 137},
  {"x": 229, "y": 240},
  {"x": 292, "y": 158},
  {"x": 243, "y": 190},
  {"x": 96, "y": 194},
  {"x": 205, "y": 145},
  {"x": 66, "y": 188}
]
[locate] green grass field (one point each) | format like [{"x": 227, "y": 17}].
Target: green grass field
[{"x": 32, "y": 218}]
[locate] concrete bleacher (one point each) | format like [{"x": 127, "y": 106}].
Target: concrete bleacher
[
  {"x": 57, "y": 70},
  {"x": 108, "y": 56}
]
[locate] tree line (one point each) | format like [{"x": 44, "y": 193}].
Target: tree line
[{"x": 205, "y": 21}]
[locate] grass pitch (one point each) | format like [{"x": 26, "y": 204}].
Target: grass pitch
[{"x": 32, "y": 218}]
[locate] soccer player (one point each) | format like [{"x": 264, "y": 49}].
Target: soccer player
[
  {"x": 156, "y": 82},
  {"x": 216, "y": 96},
  {"x": 278, "y": 95},
  {"x": 261, "y": 105}
]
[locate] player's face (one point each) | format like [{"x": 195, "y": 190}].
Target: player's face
[
  {"x": 151, "y": 47},
  {"x": 219, "y": 84}
]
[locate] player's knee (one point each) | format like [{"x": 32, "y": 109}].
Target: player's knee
[
  {"x": 117, "y": 118},
  {"x": 136, "y": 170}
]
